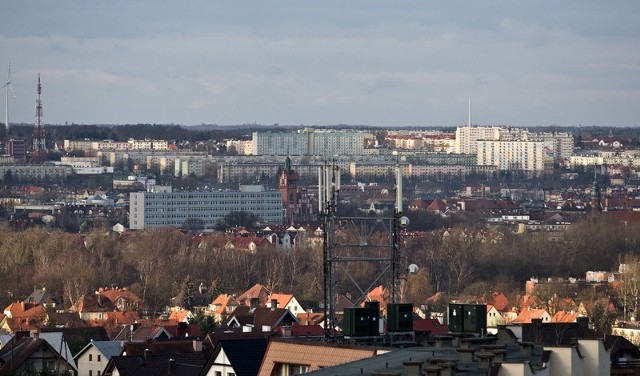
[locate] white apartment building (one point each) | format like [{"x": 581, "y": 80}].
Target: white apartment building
[
  {"x": 467, "y": 137},
  {"x": 242, "y": 147},
  {"x": 103, "y": 145},
  {"x": 309, "y": 142},
  {"x": 280, "y": 143},
  {"x": 511, "y": 155},
  {"x": 557, "y": 144},
  {"x": 172, "y": 209}
]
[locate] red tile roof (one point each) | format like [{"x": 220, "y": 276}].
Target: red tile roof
[{"x": 433, "y": 326}]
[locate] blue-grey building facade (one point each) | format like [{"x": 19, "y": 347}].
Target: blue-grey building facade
[{"x": 172, "y": 209}]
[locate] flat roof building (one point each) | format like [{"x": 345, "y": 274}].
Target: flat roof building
[{"x": 173, "y": 209}]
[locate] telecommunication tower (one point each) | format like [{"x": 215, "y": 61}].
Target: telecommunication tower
[
  {"x": 369, "y": 240},
  {"x": 39, "y": 141}
]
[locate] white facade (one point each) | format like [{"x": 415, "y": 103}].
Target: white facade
[
  {"x": 172, "y": 209},
  {"x": 115, "y": 145},
  {"x": 511, "y": 155},
  {"x": 466, "y": 138},
  {"x": 280, "y": 143},
  {"x": 325, "y": 143},
  {"x": 221, "y": 366}
]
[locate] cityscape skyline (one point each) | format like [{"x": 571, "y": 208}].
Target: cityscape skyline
[{"x": 324, "y": 63}]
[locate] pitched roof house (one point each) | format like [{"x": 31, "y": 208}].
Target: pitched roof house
[
  {"x": 284, "y": 356},
  {"x": 94, "y": 306},
  {"x": 23, "y": 354},
  {"x": 240, "y": 357},
  {"x": 256, "y": 291},
  {"x": 93, "y": 358},
  {"x": 287, "y": 301},
  {"x": 527, "y": 315},
  {"x": 41, "y": 296},
  {"x": 221, "y": 307},
  {"x": 261, "y": 317}
]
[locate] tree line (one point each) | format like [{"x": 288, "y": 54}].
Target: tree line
[{"x": 154, "y": 263}]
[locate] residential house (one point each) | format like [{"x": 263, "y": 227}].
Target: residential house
[
  {"x": 287, "y": 301},
  {"x": 30, "y": 353},
  {"x": 22, "y": 316},
  {"x": 153, "y": 357},
  {"x": 238, "y": 357},
  {"x": 261, "y": 317},
  {"x": 287, "y": 357},
  {"x": 181, "y": 315},
  {"x": 494, "y": 318},
  {"x": 147, "y": 331},
  {"x": 199, "y": 300},
  {"x": 247, "y": 244},
  {"x": 221, "y": 307},
  {"x": 95, "y": 306},
  {"x": 418, "y": 204},
  {"x": 41, "y": 296},
  {"x": 378, "y": 294},
  {"x": 93, "y": 358},
  {"x": 438, "y": 207},
  {"x": 77, "y": 337},
  {"x": 565, "y": 316},
  {"x": 527, "y": 315},
  {"x": 256, "y": 291}
]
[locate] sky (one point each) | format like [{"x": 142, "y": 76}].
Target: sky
[{"x": 306, "y": 62}]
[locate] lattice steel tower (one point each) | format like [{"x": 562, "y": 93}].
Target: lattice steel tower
[
  {"x": 368, "y": 240},
  {"x": 39, "y": 141}
]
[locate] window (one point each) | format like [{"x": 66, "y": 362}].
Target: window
[
  {"x": 90, "y": 373},
  {"x": 99, "y": 358},
  {"x": 48, "y": 365},
  {"x": 90, "y": 357}
]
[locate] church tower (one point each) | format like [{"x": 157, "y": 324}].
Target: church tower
[{"x": 288, "y": 186}]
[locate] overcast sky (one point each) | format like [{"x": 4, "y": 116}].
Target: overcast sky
[{"x": 381, "y": 63}]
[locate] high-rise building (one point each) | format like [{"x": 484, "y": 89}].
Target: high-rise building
[
  {"x": 512, "y": 155},
  {"x": 312, "y": 142},
  {"x": 173, "y": 209},
  {"x": 466, "y": 138},
  {"x": 16, "y": 149}
]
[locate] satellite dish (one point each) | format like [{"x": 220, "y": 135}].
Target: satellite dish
[
  {"x": 404, "y": 222},
  {"x": 413, "y": 269}
]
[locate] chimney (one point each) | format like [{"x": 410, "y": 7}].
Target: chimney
[
  {"x": 172, "y": 366},
  {"x": 274, "y": 304},
  {"x": 34, "y": 334},
  {"x": 197, "y": 346},
  {"x": 413, "y": 368},
  {"x": 147, "y": 354},
  {"x": 583, "y": 322},
  {"x": 254, "y": 303}
]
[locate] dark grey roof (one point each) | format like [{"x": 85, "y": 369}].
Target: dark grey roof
[
  {"x": 40, "y": 296},
  {"x": 108, "y": 349},
  {"x": 186, "y": 364},
  {"x": 245, "y": 355}
]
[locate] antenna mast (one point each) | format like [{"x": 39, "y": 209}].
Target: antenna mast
[{"x": 39, "y": 141}]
